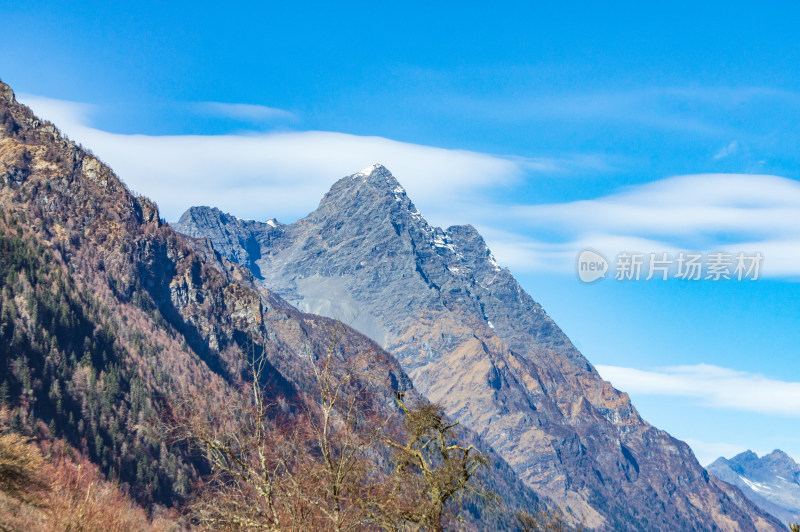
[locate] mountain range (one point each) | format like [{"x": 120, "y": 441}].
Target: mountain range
[
  {"x": 772, "y": 482},
  {"x": 473, "y": 340},
  {"x": 110, "y": 320}
]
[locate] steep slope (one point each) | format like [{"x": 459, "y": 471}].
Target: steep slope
[
  {"x": 109, "y": 318},
  {"x": 772, "y": 482},
  {"x": 472, "y": 339}
]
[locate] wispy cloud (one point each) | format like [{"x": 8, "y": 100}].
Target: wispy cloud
[
  {"x": 654, "y": 108},
  {"x": 685, "y": 207},
  {"x": 732, "y": 96},
  {"x": 526, "y": 253},
  {"x": 727, "y": 151},
  {"x": 704, "y": 212},
  {"x": 595, "y": 163},
  {"x": 276, "y": 174},
  {"x": 711, "y": 386},
  {"x": 245, "y": 112},
  {"x": 704, "y": 111}
]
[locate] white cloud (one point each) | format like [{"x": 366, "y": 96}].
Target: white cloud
[
  {"x": 67, "y": 116},
  {"x": 727, "y": 151},
  {"x": 245, "y": 111},
  {"x": 703, "y": 212},
  {"x": 711, "y": 386},
  {"x": 683, "y": 207},
  {"x": 523, "y": 253},
  {"x": 280, "y": 175}
]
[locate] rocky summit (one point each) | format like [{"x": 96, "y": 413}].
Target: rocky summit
[
  {"x": 473, "y": 340},
  {"x": 772, "y": 482}
]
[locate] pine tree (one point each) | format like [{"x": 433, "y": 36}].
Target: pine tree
[{"x": 5, "y": 396}]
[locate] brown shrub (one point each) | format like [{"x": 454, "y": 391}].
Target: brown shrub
[{"x": 62, "y": 493}]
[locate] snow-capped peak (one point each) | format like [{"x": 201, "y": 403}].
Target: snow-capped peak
[{"x": 366, "y": 172}]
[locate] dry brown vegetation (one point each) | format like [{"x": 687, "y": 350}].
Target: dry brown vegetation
[
  {"x": 547, "y": 521},
  {"x": 58, "y": 491},
  {"x": 338, "y": 461}
]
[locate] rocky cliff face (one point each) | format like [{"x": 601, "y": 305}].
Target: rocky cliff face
[
  {"x": 472, "y": 339},
  {"x": 772, "y": 482},
  {"x": 108, "y": 317}
]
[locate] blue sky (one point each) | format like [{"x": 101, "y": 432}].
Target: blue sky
[{"x": 612, "y": 126}]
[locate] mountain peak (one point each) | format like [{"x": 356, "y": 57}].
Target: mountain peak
[
  {"x": 371, "y": 190},
  {"x": 379, "y": 177},
  {"x": 376, "y": 168},
  {"x": 749, "y": 461},
  {"x": 779, "y": 460},
  {"x": 771, "y": 482},
  {"x": 778, "y": 455},
  {"x": 746, "y": 456}
]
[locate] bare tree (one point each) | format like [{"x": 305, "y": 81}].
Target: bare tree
[
  {"x": 342, "y": 427},
  {"x": 277, "y": 466},
  {"x": 248, "y": 455},
  {"x": 338, "y": 460},
  {"x": 432, "y": 470},
  {"x": 547, "y": 521}
]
